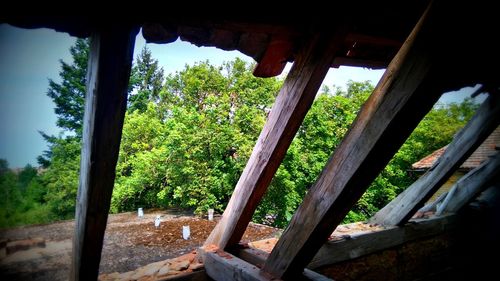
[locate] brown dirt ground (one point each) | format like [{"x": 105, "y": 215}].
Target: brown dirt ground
[{"x": 130, "y": 242}]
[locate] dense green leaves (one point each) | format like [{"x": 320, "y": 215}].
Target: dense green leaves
[
  {"x": 188, "y": 136},
  {"x": 189, "y": 147}
]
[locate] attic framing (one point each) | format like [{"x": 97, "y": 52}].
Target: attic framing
[{"x": 418, "y": 72}]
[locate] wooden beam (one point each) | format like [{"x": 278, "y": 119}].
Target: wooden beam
[
  {"x": 372, "y": 40},
  {"x": 274, "y": 60},
  {"x": 399, "y": 210},
  {"x": 431, "y": 207},
  {"x": 110, "y": 61},
  {"x": 361, "y": 244},
  {"x": 293, "y": 101},
  {"x": 222, "y": 266},
  {"x": 407, "y": 91},
  {"x": 351, "y": 61},
  {"x": 469, "y": 186},
  {"x": 258, "y": 257},
  {"x": 367, "y": 243}
]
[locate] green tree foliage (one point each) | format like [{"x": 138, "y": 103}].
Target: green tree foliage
[
  {"x": 322, "y": 130},
  {"x": 20, "y": 202},
  {"x": 188, "y": 136},
  {"x": 188, "y": 148},
  {"x": 69, "y": 95},
  {"x": 146, "y": 81}
]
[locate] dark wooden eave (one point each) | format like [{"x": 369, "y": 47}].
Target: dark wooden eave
[{"x": 372, "y": 41}]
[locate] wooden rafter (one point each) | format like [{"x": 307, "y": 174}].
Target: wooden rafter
[
  {"x": 110, "y": 61},
  {"x": 399, "y": 210},
  {"x": 406, "y": 92},
  {"x": 291, "y": 105},
  {"x": 471, "y": 185}
]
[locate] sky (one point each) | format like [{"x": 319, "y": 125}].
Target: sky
[{"x": 28, "y": 58}]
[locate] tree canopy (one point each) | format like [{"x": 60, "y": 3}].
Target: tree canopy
[{"x": 187, "y": 137}]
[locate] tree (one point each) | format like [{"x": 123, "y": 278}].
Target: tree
[
  {"x": 69, "y": 95},
  {"x": 146, "y": 81},
  {"x": 188, "y": 149},
  {"x": 62, "y": 157}
]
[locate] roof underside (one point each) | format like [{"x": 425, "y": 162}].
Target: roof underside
[{"x": 371, "y": 36}]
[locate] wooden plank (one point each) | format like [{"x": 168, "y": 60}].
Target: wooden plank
[
  {"x": 200, "y": 275},
  {"x": 350, "y": 61},
  {"x": 431, "y": 207},
  {"x": 274, "y": 60},
  {"x": 399, "y": 210},
  {"x": 469, "y": 186},
  {"x": 258, "y": 257},
  {"x": 293, "y": 101},
  {"x": 407, "y": 91},
  {"x": 364, "y": 243},
  {"x": 108, "y": 74},
  {"x": 222, "y": 266},
  {"x": 367, "y": 243},
  {"x": 372, "y": 40}
]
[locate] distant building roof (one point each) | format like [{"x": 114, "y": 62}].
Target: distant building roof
[{"x": 486, "y": 149}]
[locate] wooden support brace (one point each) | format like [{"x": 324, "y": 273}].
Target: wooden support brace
[
  {"x": 399, "y": 210},
  {"x": 469, "y": 186},
  {"x": 222, "y": 266},
  {"x": 275, "y": 58},
  {"x": 406, "y": 92},
  {"x": 110, "y": 61},
  {"x": 293, "y": 101},
  {"x": 258, "y": 258}
]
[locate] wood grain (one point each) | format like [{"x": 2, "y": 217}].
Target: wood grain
[
  {"x": 407, "y": 91},
  {"x": 108, "y": 74},
  {"x": 293, "y": 101}
]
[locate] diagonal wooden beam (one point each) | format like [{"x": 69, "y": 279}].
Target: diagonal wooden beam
[
  {"x": 110, "y": 61},
  {"x": 399, "y": 210},
  {"x": 293, "y": 101},
  {"x": 407, "y": 91},
  {"x": 469, "y": 186}
]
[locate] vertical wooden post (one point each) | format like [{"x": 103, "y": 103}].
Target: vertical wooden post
[
  {"x": 110, "y": 61},
  {"x": 293, "y": 101}
]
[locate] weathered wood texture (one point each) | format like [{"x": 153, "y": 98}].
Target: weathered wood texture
[
  {"x": 274, "y": 60},
  {"x": 399, "y": 210},
  {"x": 258, "y": 257},
  {"x": 200, "y": 275},
  {"x": 222, "y": 266},
  {"x": 291, "y": 105},
  {"x": 108, "y": 74},
  {"x": 367, "y": 243},
  {"x": 471, "y": 185},
  {"x": 431, "y": 207},
  {"x": 406, "y": 92}
]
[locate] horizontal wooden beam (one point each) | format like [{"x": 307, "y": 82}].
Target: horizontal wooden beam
[
  {"x": 372, "y": 40},
  {"x": 470, "y": 185},
  {"x": 356, "y": 246},
  {"x": 399, "y": 210},
  {"x": 294, "y": 100},
  {"x": 407, "y": 91},
  {"x": 258, "y": 257},
  {"x": 351, "y": 61},
  {"x": 110, "y": 62},
  {"x": 222, "y": 266}
]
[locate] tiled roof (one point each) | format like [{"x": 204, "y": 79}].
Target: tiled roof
[{"x": 486, "y": 149}]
